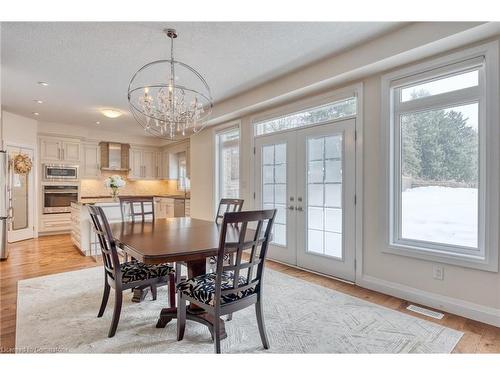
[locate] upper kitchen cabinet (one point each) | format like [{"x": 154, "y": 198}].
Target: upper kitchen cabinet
[
  {"x": 90, "y": 167},
  {"x": 144, "y": 163},
  {"x": 59, "y": 150}
]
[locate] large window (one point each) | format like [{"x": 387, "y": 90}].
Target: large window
[
  {"x": 439, "y": 171},
  {"x": 228, "y": 163}
]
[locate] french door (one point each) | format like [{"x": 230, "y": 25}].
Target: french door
[{"x": 308, "y": 175}]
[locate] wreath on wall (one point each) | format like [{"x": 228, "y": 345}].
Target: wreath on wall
[{"x": 22, "y": 164}]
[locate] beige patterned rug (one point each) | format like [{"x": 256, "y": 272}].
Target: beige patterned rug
[{"x": 57, "y": 313}]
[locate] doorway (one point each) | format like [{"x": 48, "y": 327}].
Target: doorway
[{"x": 308, "y": 175}]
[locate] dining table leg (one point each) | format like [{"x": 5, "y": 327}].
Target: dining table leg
[{"x": 195, "y": 313}]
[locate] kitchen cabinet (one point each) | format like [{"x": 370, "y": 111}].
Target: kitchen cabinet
[
  {"x": 90, "y": 167},
  {"x": 144, "y": 163},
  {"x": 59, "y": 150},
  {"x": 135, "y": 163},
  {"x": 149, "y": 164},
  {"x": 55, "y": 223},
  {"x": 70, "y": 151},
  {"x": 166, "y": 207}
]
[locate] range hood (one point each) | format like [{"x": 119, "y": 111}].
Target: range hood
[{"x": 114, "y": 156}]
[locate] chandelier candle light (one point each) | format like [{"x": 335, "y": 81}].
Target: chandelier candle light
[{"x": 168, "y": 98}]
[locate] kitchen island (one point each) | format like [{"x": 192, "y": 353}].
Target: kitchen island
[{"x": 82, "y": 234}]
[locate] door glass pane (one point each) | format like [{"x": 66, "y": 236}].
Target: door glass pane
[
  {"x": 20, "y": 201},
  {"x": 324, "y": 192},
  {"x": 274, "y": 187},
  {"x": 439, "y": 176}
]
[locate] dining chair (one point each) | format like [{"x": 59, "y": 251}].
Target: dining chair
[
  {"x": 228, "y": 205},
  {"x": 127, "y": 275},
  {"x": 235, "y": 286},
  {"x": 137, "y": 208},
  {"x": 134, "y": 208},
  {"x": 225, "y": 205}
]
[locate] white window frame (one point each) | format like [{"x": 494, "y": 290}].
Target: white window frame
[
  {"x": 485, "y": 56},
  {"x": 221, "y": 130},
  {"x": 183, "y": 183}
]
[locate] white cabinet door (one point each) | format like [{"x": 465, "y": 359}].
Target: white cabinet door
[
  {"x": 91, "y": 165},
  {"x": 169, "y": 206},
  {"x": 135, "y": 163},
  {"x": 50, "y": 150},
  {"x": 70, "y": 152},
  {"x": 158, "y": 165},
  {"x": 149, "y": 164},
  {"x": 165, "y": 165}
]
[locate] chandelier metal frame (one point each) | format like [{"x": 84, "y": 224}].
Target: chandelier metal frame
[{"x": 184, "y": 125}]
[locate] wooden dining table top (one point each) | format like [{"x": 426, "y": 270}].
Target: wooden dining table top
[{"x": 172, "y": 239}]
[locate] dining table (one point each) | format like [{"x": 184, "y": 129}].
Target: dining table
[{"x": 170, "y": 240}]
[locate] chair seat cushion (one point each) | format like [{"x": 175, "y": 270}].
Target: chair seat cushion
[
  {"x": 202, "y": 288},
  {"x": 136, "y": 271}
]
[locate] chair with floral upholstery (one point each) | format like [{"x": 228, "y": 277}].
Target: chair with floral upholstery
[
  {"x": 127, "y": 275},
  {"x": 234, "y": 286}
]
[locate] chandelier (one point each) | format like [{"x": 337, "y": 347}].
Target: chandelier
[{"x": 168, "y": 98}]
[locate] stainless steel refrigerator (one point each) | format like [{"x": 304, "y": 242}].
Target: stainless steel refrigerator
[{"x": 4, "y": 202}]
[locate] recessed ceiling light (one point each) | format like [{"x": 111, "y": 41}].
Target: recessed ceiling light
[
  {"x": 98, "y": 123},
  {"x": 111, "y": 113},
  {"x": 36, "y": 113},
  {"x": 38, "y": 101},
  {"x": 42, "y": 83}
]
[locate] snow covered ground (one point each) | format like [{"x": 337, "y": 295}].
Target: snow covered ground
[{"x": 440, "y": 214}]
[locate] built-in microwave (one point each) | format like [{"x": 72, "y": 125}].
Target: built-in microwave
[{"x": 58, "y": 172}]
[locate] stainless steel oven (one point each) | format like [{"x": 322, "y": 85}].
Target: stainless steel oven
[
  {"x": 58, "y": 172},
  {"x": 57, "y": 198}
]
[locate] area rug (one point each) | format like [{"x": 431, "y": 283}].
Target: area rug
[{"x": 57, "y": 313}]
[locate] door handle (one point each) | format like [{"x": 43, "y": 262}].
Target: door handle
[
  {"x": 298, "y": 208},
  {"x": 291, "y": 207}
]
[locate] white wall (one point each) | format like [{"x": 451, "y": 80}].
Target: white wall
[
  {"x": 19, "y": 129},
  {"x": 464, "y": 291}
]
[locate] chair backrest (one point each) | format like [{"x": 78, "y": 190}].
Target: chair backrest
[
  {"x": 235, "y": 226},
  {"x": 107, "y": 243},
  {"x": 137, "y": 208},
  {"x": 228, "y": 205}
]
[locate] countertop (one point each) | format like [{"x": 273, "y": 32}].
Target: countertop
[{"x": 108, "y": 199}]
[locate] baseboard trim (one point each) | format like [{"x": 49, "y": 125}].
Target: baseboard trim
[{"x": 451, "y": 305}]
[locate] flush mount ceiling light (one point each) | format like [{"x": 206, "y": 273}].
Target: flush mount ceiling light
[
  {"x": 42, "y": 83},
  {"x": 111, "y": 113},
  {"x": 38, "y": 101},
  {"x": 98, "y": 123},
  {"x": 36, "y": 113},
  {"x": 168, "y": 98}
]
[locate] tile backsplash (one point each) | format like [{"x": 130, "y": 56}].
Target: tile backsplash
[{"x": 96, "y": 188}]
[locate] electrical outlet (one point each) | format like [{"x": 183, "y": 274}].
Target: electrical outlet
[{"x": 438, "y": 272}]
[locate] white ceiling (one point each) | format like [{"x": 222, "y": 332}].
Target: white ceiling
[{"x": 88, "y": 65}]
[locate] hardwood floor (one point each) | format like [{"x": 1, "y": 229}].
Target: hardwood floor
[{"x": 55, "y": 254}]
